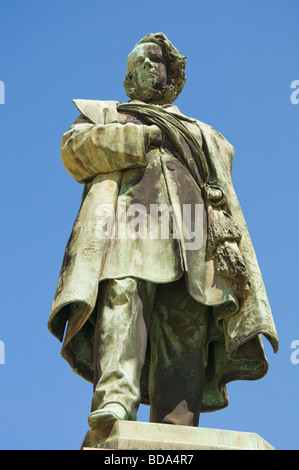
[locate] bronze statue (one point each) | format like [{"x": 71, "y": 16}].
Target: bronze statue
[{"x": 159, "y": 320}]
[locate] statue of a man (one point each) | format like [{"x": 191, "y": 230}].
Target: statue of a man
[{"x": 159, "y": 320}]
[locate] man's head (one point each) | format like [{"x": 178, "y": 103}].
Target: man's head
[{"x": 155, "y": 70}]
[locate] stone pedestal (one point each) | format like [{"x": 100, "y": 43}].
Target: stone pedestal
[{"x": 132, "y": 435}]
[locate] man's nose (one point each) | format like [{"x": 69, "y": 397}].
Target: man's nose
[{"x": 147, "y": 63}]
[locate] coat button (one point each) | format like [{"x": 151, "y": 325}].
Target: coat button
[{"x": 170, "y": 166}]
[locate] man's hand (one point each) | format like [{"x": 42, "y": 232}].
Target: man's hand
[{"x": 154, "y": 136}]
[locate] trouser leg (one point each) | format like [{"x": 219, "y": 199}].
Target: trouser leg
[
  {"x": 177, "y": 370},
  {"x": 120, "y": 340}
]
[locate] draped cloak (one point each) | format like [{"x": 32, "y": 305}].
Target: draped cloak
[{"x": 222, "y": 273}]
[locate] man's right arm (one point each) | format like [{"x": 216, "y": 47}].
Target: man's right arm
[{"x": 88, "y": 149}]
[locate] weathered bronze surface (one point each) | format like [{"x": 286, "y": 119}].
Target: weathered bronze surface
[{"x": 159, "y": 319}]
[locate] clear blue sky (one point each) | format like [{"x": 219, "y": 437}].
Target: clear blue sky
[{"x": 242, "y": 59}]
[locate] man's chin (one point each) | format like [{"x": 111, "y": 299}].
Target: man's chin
[
  {"x": 149, "y": 81},
  {"x": 146, "y": 94},
  {"x": 153, "y": 95}
]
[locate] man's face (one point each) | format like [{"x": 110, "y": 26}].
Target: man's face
[{"x": 146, "y": 63}]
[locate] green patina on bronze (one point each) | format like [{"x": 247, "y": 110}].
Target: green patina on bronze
[{"x": 146, "y": 151}]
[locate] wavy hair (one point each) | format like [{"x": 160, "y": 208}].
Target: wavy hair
[{"x": 175, "y": 66}]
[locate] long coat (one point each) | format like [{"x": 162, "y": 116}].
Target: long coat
[{"x": 107, "y": 152}]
